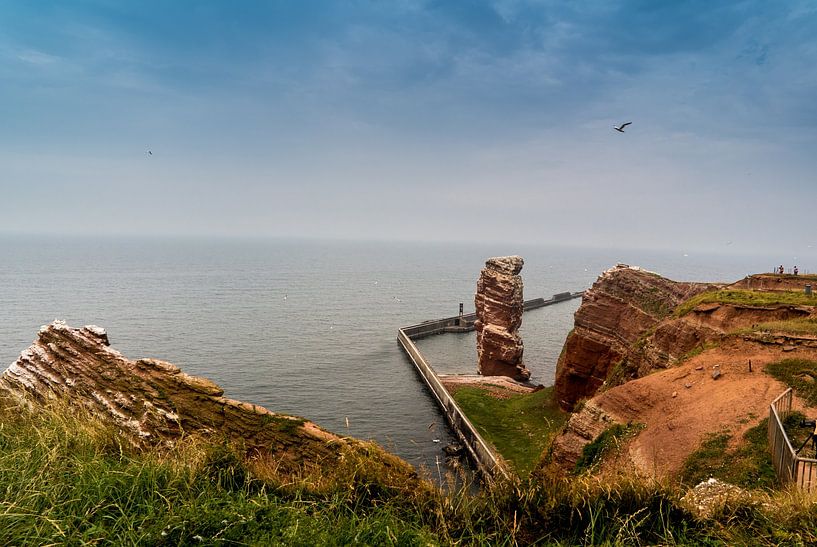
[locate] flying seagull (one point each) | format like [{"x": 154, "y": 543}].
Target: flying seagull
[
  {"x": 150, "y": 153},
  {"x": 621, "y": 127}
]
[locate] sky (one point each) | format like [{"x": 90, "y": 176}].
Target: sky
[{"x": 414, "y": 120}]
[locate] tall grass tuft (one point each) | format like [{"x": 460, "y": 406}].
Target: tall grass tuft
[{"x": 66, "y": 478}]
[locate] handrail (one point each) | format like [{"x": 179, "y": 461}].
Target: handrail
[{"x": 787, "y": 464}]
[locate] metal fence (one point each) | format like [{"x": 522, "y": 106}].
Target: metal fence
[{"x": 790, "y": 467}]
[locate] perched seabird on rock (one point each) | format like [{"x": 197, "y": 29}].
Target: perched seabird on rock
[{"x": 620, "y": 128}]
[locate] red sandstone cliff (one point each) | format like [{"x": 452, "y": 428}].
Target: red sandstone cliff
[
  {"x": 622, "y": 305},
  {"x": 627, "y": 341},
  {"x": 499, "y": 308}
]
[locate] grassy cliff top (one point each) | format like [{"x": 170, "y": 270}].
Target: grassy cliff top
[{"x": 746, "y": 297}]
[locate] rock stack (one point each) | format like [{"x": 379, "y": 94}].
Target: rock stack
[{"x": 499, "y": 307}]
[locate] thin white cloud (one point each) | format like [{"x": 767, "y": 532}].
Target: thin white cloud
[{"x": 35, "y": 57}]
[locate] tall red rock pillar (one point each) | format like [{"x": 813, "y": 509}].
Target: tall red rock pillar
[{"x": 499, "y": 315}]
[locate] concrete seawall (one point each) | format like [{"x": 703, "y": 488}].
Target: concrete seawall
[{"x": 487, "y": 463}]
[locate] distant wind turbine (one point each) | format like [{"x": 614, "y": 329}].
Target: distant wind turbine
[{"x": 620, "y": 128}]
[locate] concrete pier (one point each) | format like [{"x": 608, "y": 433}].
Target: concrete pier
[{"x": 480, "y": 453}]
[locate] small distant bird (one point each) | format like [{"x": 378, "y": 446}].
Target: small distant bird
[
  {"x": 621, "y": 127},
  {"x": 435, "y": 440},
  {"x": 150, "y": 153}
]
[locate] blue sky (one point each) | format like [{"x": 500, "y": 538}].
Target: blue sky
[{"x": 409, "y": 119}]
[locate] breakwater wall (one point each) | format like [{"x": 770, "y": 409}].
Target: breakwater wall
[
  {"x": 479, "y": 452},
  {"x": 465, "y": 322}
]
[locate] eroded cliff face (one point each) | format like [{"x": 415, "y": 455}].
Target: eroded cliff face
[
  {"x": 499, "y": 307},
  {"x": 622, "y": 305},
  {"x": 679, "y": 377},
  {"x": 153, "y": 402}
]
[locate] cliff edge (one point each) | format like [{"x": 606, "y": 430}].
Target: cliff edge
[
  {"x": 153, "y": 402},
  {"x": 679, "y": 362},
  {"x": 623, "y": 304}
]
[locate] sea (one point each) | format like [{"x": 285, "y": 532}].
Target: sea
[{"x": 309, "y": 327}]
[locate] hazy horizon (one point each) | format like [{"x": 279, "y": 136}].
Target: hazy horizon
[{"x": 414, "y": 121}]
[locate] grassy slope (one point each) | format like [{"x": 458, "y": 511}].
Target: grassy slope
[
  {"x": 801, "y": 326},
  {"x": 747, "y": 298},
  {"x": 67, "y": 480},
  {"x": 800, "y": 374},
  {"x": 749, "y": 465},
  {"x": 519, "y": 427}
]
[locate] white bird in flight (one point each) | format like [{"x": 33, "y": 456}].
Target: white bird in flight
[{"x": 620, "y": 128}]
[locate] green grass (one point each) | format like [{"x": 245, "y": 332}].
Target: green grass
[
  {"x": 799, "y": 326},
  {"x": 799, "y": 374},
  {"x": 609, "y": 441},
  {"x": 519, "y": 427},
  {"x": 749, "y": 465},
  {"x": 746, "y": 298},
  {"x": 697, "y": 350},
  {"x": 654, "y": 302},
  {"x": 806, "y": 277},
  {"x": 67, "y": 479}
]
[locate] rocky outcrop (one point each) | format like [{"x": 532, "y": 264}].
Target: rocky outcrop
[
  {"x": 582, "y": 428},
  {"x": 499, "y": 307},
  {"x": 712, "y": 352},
  {"x": 624, "y": 303},
  {"x": 153, "y": 402}
]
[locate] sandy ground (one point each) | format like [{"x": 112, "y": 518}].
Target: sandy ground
[
  {"x": 500, "y": 387},
  {"x": 682, "y": 405}
]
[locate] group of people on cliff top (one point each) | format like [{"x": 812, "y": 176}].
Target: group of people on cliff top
[{"x": 780, "y": 270}]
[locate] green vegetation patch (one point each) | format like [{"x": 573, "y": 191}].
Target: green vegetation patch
[
  {"x": 749, "y": 465},
  {"x": 799, "y": 277},
  {"x": 746, "y": 297},
  {"x": 654, "y": 302},
  {"x": 697, "y": 350},
  {"x": 799, "y": 326},
  {"x": 800, "y": 374},
  {"x": 519, "y": 427},
  {"x": 67, "y": 479},
  {"x": 609, "y": 441}
]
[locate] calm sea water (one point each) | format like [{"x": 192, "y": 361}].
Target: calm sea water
[{"x": 305, "y": 327}]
